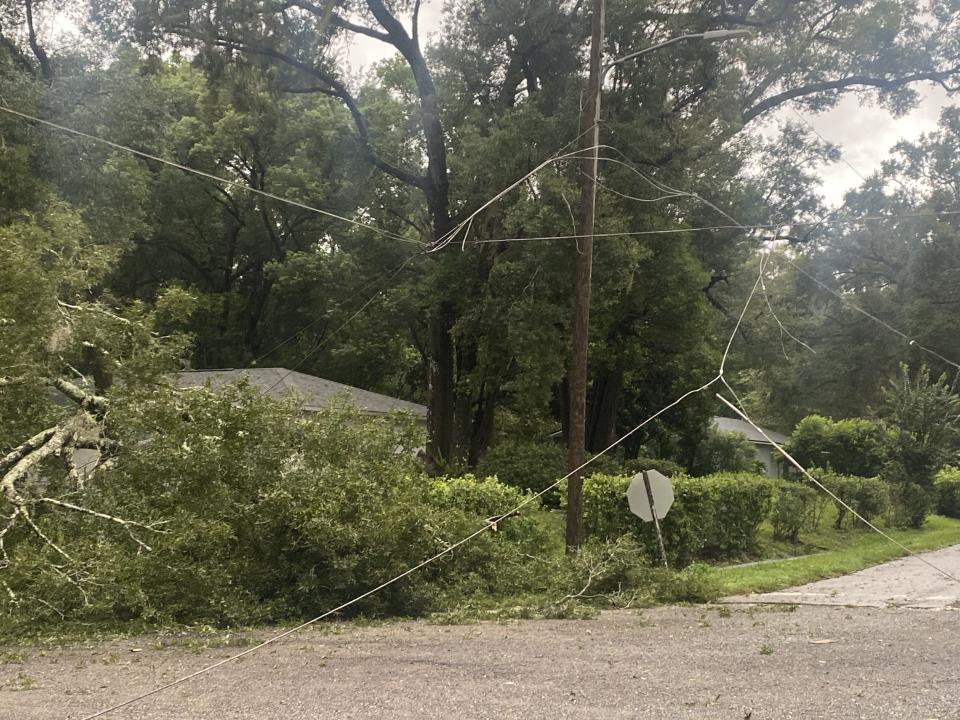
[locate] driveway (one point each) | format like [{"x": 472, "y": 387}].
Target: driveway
[{"x": 907, "y": 582}]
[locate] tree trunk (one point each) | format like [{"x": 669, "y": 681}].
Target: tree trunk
[
  {"x": 253, "y": 339},
  {"x": 482, "y": 425},
  {"x": 441, "y": 407},
  {"x": 602, "y": 409}
]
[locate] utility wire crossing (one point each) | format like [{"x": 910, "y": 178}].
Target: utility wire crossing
[
  {"x": 719, "y": 378},
  {"x": 450, "y": 237},
  {"x": 208, "y": 176},
  {"x": 446, "y": 551}
]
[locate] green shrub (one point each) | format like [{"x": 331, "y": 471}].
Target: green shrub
[
  {"x": 793, "y": 509},
  {"x": 869, "y": 497},
  {"x": 912, "y": 503},
  {"x": 524, "y": 464},
  {"x": 666, "y": 467},
  {"x": 721, "y": 451},
  {"x": 947, "y": 487},
  {"x": 267, "y": 515},
  {"x": 856, "y": 446},
  {"x": 714, "y": 517}
]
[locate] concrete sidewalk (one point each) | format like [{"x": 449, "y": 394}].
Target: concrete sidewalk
[{"x": 907, "y": 582}]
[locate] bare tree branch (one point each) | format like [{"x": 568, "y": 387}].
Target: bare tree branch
[
  {"x": 941, "y": 77},
  {"x": 331, "y": 17},
  {"x": 24, "y": 513},
  {"x": 95, "y": 309},
  {"x": 335, "y": 89},
  {"x": 46, "y": 68},
  {"x": 96, "y": 405},
  {"x": 31, "y": 445},
  {"x": 11, "y": 521},
  {"x": 7, "y": 381},
  {"x": 66, "y": 576},
  {"x": 416, "y": 23}
]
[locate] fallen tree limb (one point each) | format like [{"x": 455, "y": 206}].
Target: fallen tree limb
[
  {"x": 96, "y": 405},
  {"x": 126, "y": 524},
  {"x": 31, "y": 445}
]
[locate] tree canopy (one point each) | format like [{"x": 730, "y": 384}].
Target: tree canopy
[{"x": 410, "y": 230}]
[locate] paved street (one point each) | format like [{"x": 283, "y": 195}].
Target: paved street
[{"x": 778, "y": 661}]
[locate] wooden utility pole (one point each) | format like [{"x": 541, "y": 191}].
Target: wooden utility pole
[{"x": 576, "y": 439}]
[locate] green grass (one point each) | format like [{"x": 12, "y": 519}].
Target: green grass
[{"x": 845, "y": 551}]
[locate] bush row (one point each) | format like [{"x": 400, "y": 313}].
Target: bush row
[
  {"x": 947, "y": 486},
  {"x": 717, "y": 517},
  {"x": 713, "y": 518}
]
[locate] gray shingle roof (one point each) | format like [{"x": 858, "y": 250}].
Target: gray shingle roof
[
  {"x": 735, "y": 425},
  {"x": 316, "y": 392}
]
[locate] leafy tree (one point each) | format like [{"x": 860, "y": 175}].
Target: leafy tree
[
  {"x": 432, "y": 120},
  {"x": 924, "y": 416},
  {"x": 720, "y": 451},
  {"x": 900, "y": 271},
  {"x": 856, "y": 446}
]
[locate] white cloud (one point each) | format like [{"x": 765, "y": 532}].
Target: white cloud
[{"x": 866, "y": 134}]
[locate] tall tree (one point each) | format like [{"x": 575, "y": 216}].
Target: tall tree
[{"x": 503, "y": 68}]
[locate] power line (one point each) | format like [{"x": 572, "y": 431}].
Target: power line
[
  {"x": 449, "y": 549},
  {"x": 445, "y": 551},
  {"x": 910, "y": 341},
  {"x": 843, "y": 158},
  {"x": 465, "y": 224},
  {"x": 208, "y": 176},
  {"x": 716, "y": 228},
  {"x": 739, "y": 411}
]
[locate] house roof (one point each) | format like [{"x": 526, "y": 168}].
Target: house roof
[
  {"x": 316, "y": 392},
  {"x": 725, "y": 424}
]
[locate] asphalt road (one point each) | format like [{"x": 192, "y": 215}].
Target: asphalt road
[{"x": 778, "y": 661}]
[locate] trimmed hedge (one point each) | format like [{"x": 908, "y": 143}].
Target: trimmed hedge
[
  {"x": 947, "y": 486},
  {"x": 793, "y": 510},
  {"x": 870, "y": 497},
  {"x": 712, "y": 518}
]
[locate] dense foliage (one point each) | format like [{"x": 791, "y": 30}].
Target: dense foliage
[
  {"x": 259, "y": 513},
  {"x": 712, "y": 518},
  {"x": 794, "y": 509},
  {"x": 855, "y": 446},
  {"x": 341, "y": 223},
  {"x": 947, "y": 487}
]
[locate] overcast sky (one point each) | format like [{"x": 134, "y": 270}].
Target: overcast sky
[{"x": 864, "y": 134}]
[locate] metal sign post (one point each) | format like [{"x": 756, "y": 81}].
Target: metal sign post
[
  {"x": 650, "y": 496},
  {"x": 656, "y": 522}
]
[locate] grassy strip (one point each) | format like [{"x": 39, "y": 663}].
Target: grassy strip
[{"x": 850, "y": 551}]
